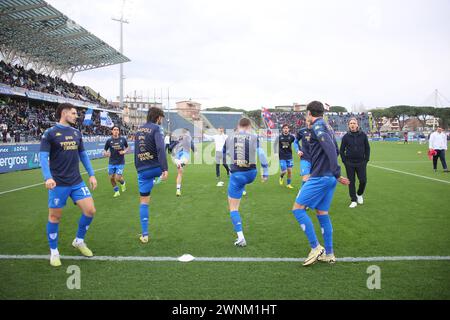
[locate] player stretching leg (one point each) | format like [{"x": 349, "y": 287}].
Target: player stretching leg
[
  {"x": 242, "y": 148},
  {"x": 60, "y": 154},
  {"x": 115, "y": 148},
  {"x": 317, "y": 192},
  {"x": 283, "y": 146},
  {"x": 150, "y": 161},
  {"x": 182, "y": 155}
]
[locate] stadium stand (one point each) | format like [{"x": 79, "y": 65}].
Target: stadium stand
[
  {"x": 38, "y": 47},
  {"x": 18, "y": 76},
  {"x": 226, "y": 120},
  {"x": 176, "y": 122},
  {"x": 25, "y": 121}
]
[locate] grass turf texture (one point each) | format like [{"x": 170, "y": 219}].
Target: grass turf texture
[{"x": 402, "y": 216}]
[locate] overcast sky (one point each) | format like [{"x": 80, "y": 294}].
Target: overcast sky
[{"x": 249, "y": 54}]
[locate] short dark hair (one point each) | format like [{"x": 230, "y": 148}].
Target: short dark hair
[
  {"x": 285, "y": 125},
  {"x": 245, "y": 122},
  {"x": 61, "y": 108},
  {"x": 316, "y": 108},
  {"x": 115, "y": 127},
  {"x": 154, "y": 113}
]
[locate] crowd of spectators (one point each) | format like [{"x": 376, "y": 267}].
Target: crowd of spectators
[
  {"x": 18, "y": 76},
  {"x": 21, "y": 121},
  {"x": 295, "y": 120},
  {"x": 338, "y": 121}
]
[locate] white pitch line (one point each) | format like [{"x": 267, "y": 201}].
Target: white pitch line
[
  {"x": 225, "y": 259},
  {"x": 42, "y": 183},
  {"x": 410, "y": 174}
]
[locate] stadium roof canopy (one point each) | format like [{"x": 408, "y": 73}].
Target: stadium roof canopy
[{"x": 38, "y": 34}]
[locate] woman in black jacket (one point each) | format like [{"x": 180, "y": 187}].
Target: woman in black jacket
[{"x": 355, "y": 153}]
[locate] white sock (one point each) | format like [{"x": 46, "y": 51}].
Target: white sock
[
  {"x": 240, "y": 235},
  {"x": 54, "y": 252},
  {"x": 178, "y": 186},
  {"x": 78, "y": 240}
]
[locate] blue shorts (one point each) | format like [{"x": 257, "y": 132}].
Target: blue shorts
[
  {"x": 305, "y": 167},
  {"x": 317, "y": 193},
  {"x": 183, "y": 154},
  {"x": 238, "y": 180},
  {"x": 285, "y": 164},
  {"x": 116, "y": 169},
  {"x": 145, "y": 180},
  {"x": 57, "y": 197}
]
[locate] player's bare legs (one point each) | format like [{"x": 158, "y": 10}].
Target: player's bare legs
[
  {"x": 112, "y": 179},
  {"x": 87, "y": 206},
  {"x": 54, "y": 215}
]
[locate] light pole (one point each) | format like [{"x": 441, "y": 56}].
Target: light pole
[{"x": 121, "y": 21}]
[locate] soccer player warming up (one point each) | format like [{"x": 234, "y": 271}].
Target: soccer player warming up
[
  {"x": 283, "y": 146},
  {"x": 317, "y": 192},
  {"x": 150, "y": 161},
  {"x": 60, "y": 153},
  {"x": 115, "y": 148},
  {"x": 182, "y": 155},
  {"x": 242, "y": 147}
]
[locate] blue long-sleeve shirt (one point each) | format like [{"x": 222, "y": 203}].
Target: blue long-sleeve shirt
[
  {"x": 60, "y": 153},
  {"x": 324, "y": 150},
  {"x": 149, "y": 151},
  {"x": 301, "y": 143}
]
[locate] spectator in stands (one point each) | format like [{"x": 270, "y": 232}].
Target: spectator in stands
[
  {"x": 31, "y": 120},
  {"x": 17, "y": 76},
  {"x": 438, "y": 143},
  {"x": 355, "y": 153}
]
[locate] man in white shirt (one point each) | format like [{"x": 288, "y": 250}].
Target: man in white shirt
[
  {"x": 438, "y": 143},
  {"x": 167, "y": 141},
  {"x": 219, "y": 140}
]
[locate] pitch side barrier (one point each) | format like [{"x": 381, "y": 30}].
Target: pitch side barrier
[{"x": 26, "y": 156}]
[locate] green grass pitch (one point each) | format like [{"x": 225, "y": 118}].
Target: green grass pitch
[{"x": 403, "y": 215}]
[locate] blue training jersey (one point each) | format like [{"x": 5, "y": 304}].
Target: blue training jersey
[
  {"x": 324, "y": 150},
  {"x": 114, "y": 146},
  {"x": 243, "y": 148},
  {"x": 149, "y": 149},
  {"x": 302, "y": 140},
  {"x": 63, "y": 143},
  {"x": 283, "y": 146}
]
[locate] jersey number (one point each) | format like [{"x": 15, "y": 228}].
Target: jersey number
[{"x": 86, "y": 191}]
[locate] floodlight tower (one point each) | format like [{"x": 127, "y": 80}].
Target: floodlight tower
[{"x": 121, "y": 21}]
